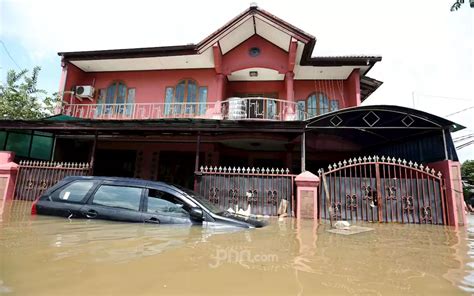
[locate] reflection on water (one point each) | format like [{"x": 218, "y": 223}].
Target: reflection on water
[{"x": 55, "y": 256}]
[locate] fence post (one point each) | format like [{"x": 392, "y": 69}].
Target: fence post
[
  {"x": 8, "y": 173},
  {"x": 307, "y": 195}
]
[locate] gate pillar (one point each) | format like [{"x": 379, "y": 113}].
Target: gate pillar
[
  {"x": 451, "y": 171},
  {"x": 307, "y": 195},
  {"x": 8, "y": 170}
]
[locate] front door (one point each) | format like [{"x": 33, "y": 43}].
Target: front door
[{"x": 262, "y": 107}]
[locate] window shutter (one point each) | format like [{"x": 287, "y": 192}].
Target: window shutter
[
  {"x": 202, "y": 100},
  {"x": 168, "y": 100},
  {"x": 100, "y": 102},
  {"x": 301, "y": 107},
  {"x": 130, "y": 106}
]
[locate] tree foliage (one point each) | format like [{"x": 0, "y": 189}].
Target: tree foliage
[
  {"x": 467, "y": 171},
  {"x": 21, "y": 99}
]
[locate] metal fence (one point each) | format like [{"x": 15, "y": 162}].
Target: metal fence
[
  {"x": 262, "y": 188},
  {"x": 34, "y": 177},
  {"x": 384, "y": 190}
]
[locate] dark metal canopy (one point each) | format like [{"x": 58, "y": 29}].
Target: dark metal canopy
[{"x": 381, "y": 117}]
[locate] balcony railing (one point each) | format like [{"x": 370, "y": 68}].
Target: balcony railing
[{"x": 230, "y": 109}]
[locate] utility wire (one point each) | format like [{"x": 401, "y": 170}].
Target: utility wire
[
  {"x": 9, "y": 55},
  {"x": 465, "y": 144},
  {"x": 468, "y": 108},
  {"x": 444, "y": 97}
]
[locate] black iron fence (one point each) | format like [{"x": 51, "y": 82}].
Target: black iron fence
[
  {"x": 34, "y": 177},
  {"x": 384, "y": 190},
  {"x": 261, "y": 188}
]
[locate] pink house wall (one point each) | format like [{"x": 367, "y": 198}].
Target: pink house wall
[
  {"x": 271, "y": 56},
  {"x": 247, "y": 87}
]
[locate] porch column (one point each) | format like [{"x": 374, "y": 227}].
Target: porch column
[
  {"x": 219, "y": 94},
  {"x": 290, "y": 95}
]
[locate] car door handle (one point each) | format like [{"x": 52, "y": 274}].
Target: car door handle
[
  {"x": 91, "y": 214},
  {"x": 153, "y": 220}
]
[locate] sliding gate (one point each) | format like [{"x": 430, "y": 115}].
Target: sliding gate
[{"x": 382, "y": 189}]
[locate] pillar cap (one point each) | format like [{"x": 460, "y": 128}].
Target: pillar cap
[{"x": 307, "y": 178}]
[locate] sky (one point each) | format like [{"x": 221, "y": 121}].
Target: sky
[{"x": 427, "y": 51}]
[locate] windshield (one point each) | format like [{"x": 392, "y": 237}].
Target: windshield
[{"x": 202, "y": 200}]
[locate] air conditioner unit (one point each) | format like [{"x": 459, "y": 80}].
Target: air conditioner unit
[{"x": 84, "y": 91}]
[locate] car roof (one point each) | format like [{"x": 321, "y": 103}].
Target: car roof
[{"x": 131, "y": 181}]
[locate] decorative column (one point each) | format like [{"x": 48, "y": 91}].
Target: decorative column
[
  {"x": 8, "y": 172},
  {"x": 290, "y": 96},
  {"x": 307, "y": 185}
]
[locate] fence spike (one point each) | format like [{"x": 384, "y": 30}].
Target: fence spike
[
  {"x": 233, "y": 169},
  {"x": 272, "y": 171},
  {"x": 359, "y": 160},
  {"x": 334, "y": 166},
  {"x": 339, "y": 164},
  {"x": 399, "y": 161},
  {"x": 376, "y": 158},
  {"x": 224, "y": 169},
  {"x": 427, "y": 169},
  {"x": 253, "y": 170},
  {"x": 220, "y": 169},
  {"x": 201, "y": 169},
  {"x": 432, "y": 171},
  {"x": 215, "y": 168},
  {"x": 248, "y": 169},
  {"x": 439, "y": 174},
  {"x": 287, "y": 171},
  {"x": 205, "y": 168},
  {"x": 415, "y": 165},
  {"x": 257, "y": 170},
  {"x": 410, "y": 163},
  {"x": 238, "y": 170},
  {"x": 319, "y": 172},
  {"x": 350, "y": 161},
  {"x": 421, "y": 167},
  {"x": 383, "y": 158},
  {"x": 262, "y": 170},
  {"x": 329, "y": 167},
  {"x": 389, "y": 159},
  {"x": 369, "y": 158},
  {"x": 404, "y": 162},
  {"x": 87, "y": 165},
  {"x": 394, "y": 160}
]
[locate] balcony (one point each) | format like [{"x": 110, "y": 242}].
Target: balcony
[{"x": 230, "y": 109}]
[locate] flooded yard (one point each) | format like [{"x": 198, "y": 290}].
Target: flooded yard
[{"x": 54, "y": 256}]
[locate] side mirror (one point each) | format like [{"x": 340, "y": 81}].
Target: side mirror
[{"x": 196, "y": 213}]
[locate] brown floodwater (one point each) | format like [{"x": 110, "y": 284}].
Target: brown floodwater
[{"x": 54, "y": 256}]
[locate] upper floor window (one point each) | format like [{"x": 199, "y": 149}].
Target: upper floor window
[
  {"x": 116, "y": 98},
  {"x": 316, "y": 104},
  {"x": 187, "y": 97}
]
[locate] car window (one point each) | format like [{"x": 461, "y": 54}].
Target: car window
[
  {"x": 74, "y": 192},
  {"x": 165, "y": 203},
  {"x": 123, "y": 197}
]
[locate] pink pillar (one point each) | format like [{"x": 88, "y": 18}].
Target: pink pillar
[
  {"x": 290, "y": 95},
  {"x": 451, "y": 171},
  {"x": 8, "y": 170},
  {"x": 307, "y": 195},
  {"x": 220, "y": 93},
  {"x": 352, "y": 89}
]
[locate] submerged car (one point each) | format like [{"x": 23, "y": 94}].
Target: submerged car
[{"x": 133, "y": 200}]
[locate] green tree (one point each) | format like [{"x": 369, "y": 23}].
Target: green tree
[
  {"x": 21, "y": 99},
  {"x": 467, "y": 171}
]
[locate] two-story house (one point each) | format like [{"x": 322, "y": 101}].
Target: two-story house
[{"x": 249, "y": 95}]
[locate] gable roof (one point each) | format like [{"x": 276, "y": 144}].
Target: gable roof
[{"x": 262, "y": 22}]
